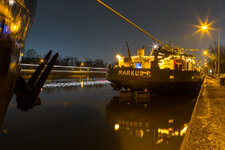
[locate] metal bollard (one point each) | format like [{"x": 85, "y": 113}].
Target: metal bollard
[{"x": 222, "y": 81}]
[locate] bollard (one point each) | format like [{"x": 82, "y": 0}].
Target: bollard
[{"x": 222, "y": 80}]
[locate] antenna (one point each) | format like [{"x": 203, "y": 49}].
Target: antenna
[
  {"x": 132, "y": 23},
  {"x": 129, "y": 55}
]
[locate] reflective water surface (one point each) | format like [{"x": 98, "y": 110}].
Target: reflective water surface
[{"x": 92, "y": 116}]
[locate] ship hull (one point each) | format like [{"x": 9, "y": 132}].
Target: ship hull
[
  {"x": 9, "y": 71},
  {"x": 155, "y": 80}
]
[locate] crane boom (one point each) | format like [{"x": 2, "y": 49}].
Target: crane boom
[{"x": 132, "y": 24}]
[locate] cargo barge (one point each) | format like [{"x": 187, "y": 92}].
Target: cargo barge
[{"x": 166, "y": 71}]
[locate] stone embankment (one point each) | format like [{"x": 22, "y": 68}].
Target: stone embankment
[{"x": 207, "y": 126}]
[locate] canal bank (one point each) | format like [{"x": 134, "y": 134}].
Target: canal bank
[{"x": 206, "y": 128}]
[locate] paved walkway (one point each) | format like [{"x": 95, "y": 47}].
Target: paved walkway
[{"x": 207, "y": 126}]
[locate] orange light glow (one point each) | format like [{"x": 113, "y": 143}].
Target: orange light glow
[
  {"x": 118, "y": 57},
  {"x": 163, "y": 131},
  {"x": 204, "y": 26},
  {"x": 116, "y": 127},
  {"x": 205, "y": 52},
  {"x": 183, "y": 131}
]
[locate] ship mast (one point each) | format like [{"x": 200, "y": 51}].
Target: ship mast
[{"x": 142, "y": 30}]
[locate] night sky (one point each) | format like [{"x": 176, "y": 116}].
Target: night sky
[{"x": 82, "y": 28}]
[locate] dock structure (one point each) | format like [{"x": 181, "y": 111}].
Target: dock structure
[{"x": 207, "y": 125}]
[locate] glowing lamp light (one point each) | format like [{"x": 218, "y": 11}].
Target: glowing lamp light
[
  {"x": 204, "y": 27},
  {"x": 118, "y": 57},
  {"x": 205, "y": 52},
  {"x": 15, "y": 27},
  {"x": 11, "y": 2},
  {"x": 176, "y": 133},
  {"x": 42, "y": 60},
  {"x": 116, "y": 127},
  {"x": 155, "y": 46}
]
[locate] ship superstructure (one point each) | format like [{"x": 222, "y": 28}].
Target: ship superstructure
[
  {"x": 165, "y": 71},
  {"x": 176, "y": 60}
]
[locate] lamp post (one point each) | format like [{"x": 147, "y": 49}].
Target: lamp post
[
  {"x": 218, "y": 52},
  {"x": 205, "y": 27},
  {"x": 213, "y": 58}
]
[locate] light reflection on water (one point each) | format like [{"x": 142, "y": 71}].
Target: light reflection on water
[
  {"x": 159, "y": 124},
  {"x": 75, "y": 83},
  {"x": 93, "y": 118}
]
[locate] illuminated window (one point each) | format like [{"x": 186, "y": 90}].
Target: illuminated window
[
  {"x": 6, "y": 29},
  {"x": 138, "y": 65}
]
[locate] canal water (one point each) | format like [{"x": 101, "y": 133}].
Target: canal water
[{"x": 88, "y": 114}]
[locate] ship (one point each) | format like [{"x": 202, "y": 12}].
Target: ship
[
  {"x": 16, "y": 18},
  {"x": 166, "y": 69}
]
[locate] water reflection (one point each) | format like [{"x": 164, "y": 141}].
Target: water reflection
[
  {"x": 159, "y": 123},
  {"x": 90, "y": 118},
  {"x": 74, "y": 84}
]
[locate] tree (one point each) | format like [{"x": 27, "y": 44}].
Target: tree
[
  {"x": 213, "y": 50},
  {"x": 88, "y": 62},
  {"x": 99, "y": 63},
  {"x": 31, "y": 56}
]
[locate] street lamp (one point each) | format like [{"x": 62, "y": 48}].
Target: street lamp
[
  {"x": 205, "y": 27},
  {"x": 205, "y": 52},
  {"x": 81, "y": 65}
]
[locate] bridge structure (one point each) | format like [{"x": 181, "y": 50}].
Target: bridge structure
[{"x": 30, "y": 68}]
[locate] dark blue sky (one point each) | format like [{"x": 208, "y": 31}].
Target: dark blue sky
[{"x": 85, "y": 28}]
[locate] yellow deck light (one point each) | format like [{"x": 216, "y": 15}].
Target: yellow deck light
[
  {"x": 15, "y": 27},
  {"x": 205, "y": 52},
  {"x": 118, "y": 57},
  {"x": 116, "y": 127}
]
